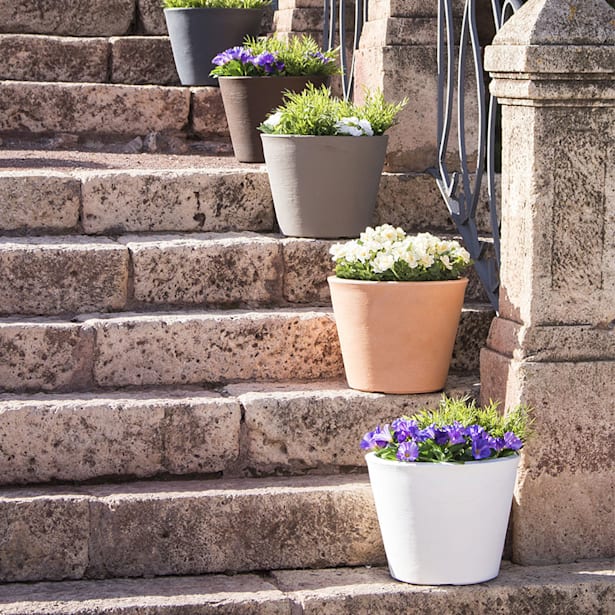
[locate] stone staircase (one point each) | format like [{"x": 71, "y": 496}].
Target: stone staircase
[{"x": 175, "y": 432}]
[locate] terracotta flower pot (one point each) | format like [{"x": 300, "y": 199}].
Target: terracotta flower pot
[
  {"x": 443, "y": 523},
  {"x": 198, "y": 34},
  {"x": 324, "y": 186},
  {"x": 248, "y": 101},
  {"x": 397, "y": 337}
]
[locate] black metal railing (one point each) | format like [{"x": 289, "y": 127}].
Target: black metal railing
[
  {"x": 461, "y": 189},
  {"x": 335, "y": 33}
]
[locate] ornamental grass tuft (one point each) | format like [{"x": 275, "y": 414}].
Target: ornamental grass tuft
[{"x": 457, "y": 431}]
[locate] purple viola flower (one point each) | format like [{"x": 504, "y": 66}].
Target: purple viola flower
[
  {"x": 441, "y": 437},
  {"x": 234, "y": 53},
  {"x": 405, "y": 429},
  {"x": 512, "y": 442},
  {"x": 499, "y": 444},
  {"x": 268, "y": 62},
  {"x": 379, "y": 438},
  {"x": 408, "y": 451},
  {"x": 456, "y": 433},
  {"x": 429, "y": 433},
  {"x": 481, "y": 447},
  {"x": 319, "y": 56}
]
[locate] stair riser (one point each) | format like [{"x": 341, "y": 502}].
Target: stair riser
[
  {"x": 88, "y": 437},
  {"x": 61, "y": 439},
  {"x": 188, "y": 528},
  {"x": 111, "y": 110},
  {"x": 131, "y": 60},
  {"x": 188, "y": 200},
  {"x": 188, "y": 349}
]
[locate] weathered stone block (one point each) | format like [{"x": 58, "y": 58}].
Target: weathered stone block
[
  {"x": 151, "y": 17},
  {"x": 295, "y": 427},
  {"x": 204, "y": 595},
  {"x": 471, "y": 336},
  {"x": 199, "y": 527},
  {"x": 50, "y": 275},
  {"x": 190, "y": 200},
  {"x": 33, "y": 201},
  {"x": 70, "y": 18},
  {"x": 142, "y": 60},
  {"x": 42, "y": 355},
  {"x": 143, "y": 434},
  {"x": 216, "y": 270},
  {"x": 208, "y": 116},
  {"x": 50, "y": 58},
  {"x": 307, "y": 264},
  {"x": 183, "y": 348},
  {"x": 43, "y": 538},
  {"x": 98, "y": 108}
]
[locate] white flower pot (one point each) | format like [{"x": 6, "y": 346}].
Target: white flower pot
[{"x": 443, "y": 523}]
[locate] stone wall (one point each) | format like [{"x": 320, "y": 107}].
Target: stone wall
[{"x": 553, "y": 343}]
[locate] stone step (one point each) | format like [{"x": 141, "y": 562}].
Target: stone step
[
  {"x": 112, "y": 110},
  {"x": 238, "y": 430},
  {"x": 76, "y": 191},
  {"x": 187, "y": 527},
  {"x": 583, "y": 588},
  {"x": 188, "y": 347},
  {"x": 76, "y": 274},
  {"x": 133, "y": 60}
]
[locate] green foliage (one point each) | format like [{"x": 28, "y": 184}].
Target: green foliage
[
  {"x": 465, "y": 411},
  {"x": 314, "y": 111},
  {"x": 215, "y": 4}
]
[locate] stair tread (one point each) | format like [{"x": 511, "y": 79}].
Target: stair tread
[{"x": 582, "y": 588}]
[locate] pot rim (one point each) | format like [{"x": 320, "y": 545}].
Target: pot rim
[
  {"x": 209, "y": 8},
  {"x": 242, "y": 77},
  {"x": 430, "y": 464},
  {"x": 336, "y": 280},
  {"x": 337, "y": 137}
]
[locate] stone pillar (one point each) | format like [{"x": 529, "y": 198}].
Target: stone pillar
[
  {"x": 398, "y": 54},
  {"x": 553, "y": 343}
]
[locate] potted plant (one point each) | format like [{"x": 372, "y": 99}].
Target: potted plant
[
  {"x": 443, "y": 482},
  {"x": 324, "y": 157},
  {"x": 397, "y": 301},
  {"x": 198, "y": 29},
  {"x": 254, "y": 77}
]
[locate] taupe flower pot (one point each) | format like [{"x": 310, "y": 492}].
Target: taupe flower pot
[
  {"x": 198, "y": 34},
  {"x": 324, "y": 186},
  {"x": 397, "y": 337},
  {"x": 248, "y": 101}
]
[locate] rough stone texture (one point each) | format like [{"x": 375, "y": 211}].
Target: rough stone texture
[
  {"x": 583, "y": 589},
  {"x": 49, "y": 275},
  {"x": 142, "y": 60},
  {"x": 413, "y": 140},
  {"x": 208, "y": 116},
  {"x": 151, "y": 17},
  {"x": 183, "y": 348},
  {"x": 228, "y": 270},
  {"x": 247, "y": 524},
  {"x": 307, "y": 264},
  {"x": 75, "y": 438},
  {"x": 71, "y": 17},
  {"x": 558, "y": 282},
  {"x": 187, "y": 200},
  {"x": 295, "y": 427},
  {"x": 43, "y": 536},
  {"x": 52, "y": 58},
  {"x": 35, "y": 201},
  {"x": 96, "y": 108},
  {"x": 43, "y": 355},
  {"x": 233, "y": 595},
  {"x": 471, "y": 336}
]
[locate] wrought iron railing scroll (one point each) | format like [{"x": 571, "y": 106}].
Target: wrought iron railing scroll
[
  {"x": 335, "y": 34},
  {"x": 461, "y": 189}
]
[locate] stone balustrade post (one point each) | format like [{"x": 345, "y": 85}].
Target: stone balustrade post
[{"x": 553, "y": 344}]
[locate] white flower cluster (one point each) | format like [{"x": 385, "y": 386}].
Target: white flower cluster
[
  {"x": 385, "y": 245},
  {"x": 353, "y": 127},
  {"x": 273, "y": 120}
]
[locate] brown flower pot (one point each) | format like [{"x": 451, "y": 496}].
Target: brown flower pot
[
  {"x": 397, "y": 337},
  {"x": 248, "y": 101},
  {"x": 324, "y": 186}
]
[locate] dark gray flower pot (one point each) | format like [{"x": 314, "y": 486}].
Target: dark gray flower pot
[
  {"x": 248, "y": 101},
  {"x": 324, "y": 187},
  {"x": 197, "y": 35}
]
